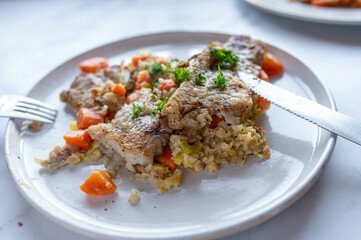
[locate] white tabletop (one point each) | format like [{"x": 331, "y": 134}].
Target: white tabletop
[{"x": 38, "y": 36}]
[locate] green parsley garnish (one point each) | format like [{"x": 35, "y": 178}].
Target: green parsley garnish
[
  {"x": 155, "y": 69},
  {"x": 155, "y": 83},
  {"x": 201, "y": 77},
  {"x": 137, "y": 109},
  {"x": 160, "y": 106},
  {"x": 220, "y": 81},
  {"x": 171, "y": 61},
  {"x": 225, "y": 57},
  {"x": 181, "y": 74}
]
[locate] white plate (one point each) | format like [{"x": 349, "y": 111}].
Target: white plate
[
  {"x": 302, "y": 11},
  {"x": 230, "y": 200}
]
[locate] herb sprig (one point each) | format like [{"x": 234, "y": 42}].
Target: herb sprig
[
  {"x": 181, "y": 74},
  {"x": 157, "y": 68},
  {"x": 201, "y": 77},
  {"x": 137, "y": 109},
  {"x": 160, "y": 106},
  {"x": 220, "y": 81},
  {"x": 225, "y": 57}
]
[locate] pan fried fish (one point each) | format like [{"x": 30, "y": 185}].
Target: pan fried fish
[{"x": 158, "y": 116}]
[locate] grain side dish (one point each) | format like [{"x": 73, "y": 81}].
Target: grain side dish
[{"x": 159, "y": 116}]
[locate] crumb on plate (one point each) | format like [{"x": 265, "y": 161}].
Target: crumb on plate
[{"x": 133, "y": 197}]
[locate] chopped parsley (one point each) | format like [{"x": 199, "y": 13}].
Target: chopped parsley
[
  {"x": 155, "y": 83},
  {"x": 181, "y": 74},
  {"x": 225, "y": 57},
  {"x": 201, "y": 77},
  {"x": 160, "y": 106},
  {"x": 137, "y": 109},
  {"x": 220, "y": 81},
  {"x": 155, "y": 69},
  {"x": 169, "y": 64}
]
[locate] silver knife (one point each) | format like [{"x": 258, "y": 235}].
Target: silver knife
[{"x": 322, "y": 116}]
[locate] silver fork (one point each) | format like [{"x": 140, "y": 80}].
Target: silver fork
[{"x": 26, "y": 108}]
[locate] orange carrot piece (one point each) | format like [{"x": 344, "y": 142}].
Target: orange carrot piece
[
  {"x": 135, "y": 60},
  {"x": 92, "y": 65},
  {"x": 119, "y": 89},
  {"x": 216, "y": 120},
  {"x": 167, "y": 85},
  {"x": 167, "y": 159},
  {"x": 78, "y": 138},
  {"x": 98, "y": 184},
  {"x": 143, "y": 76},
  {"x": 88, "y": 117},
  {"x": 271, "y": 65}
]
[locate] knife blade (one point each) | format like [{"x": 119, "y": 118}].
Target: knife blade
[{"x": 318, "y": 114}]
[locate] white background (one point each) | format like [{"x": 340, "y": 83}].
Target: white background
[{"x": 37, "y": 36}]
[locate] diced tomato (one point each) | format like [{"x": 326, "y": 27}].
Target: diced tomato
[
  {"x": 263, "y": 104},
  {"x": 92, "y": 65},
  {"x": 119, "y": 89},
  {"x": 78, "y": 138},
  {"x": 98, "y": 184},
  {"x": 167, "y": 85},
  {"x": 135, "y": 60},
  {"x": 88, "y": 117},
  {"x": 143, "y": 76},
  {"x": 167, "y": 159},
  {"x": 132, "y": 97},
  {"x": 263, "y": 75},
  {"x": 216, "y": 120},
  {"x": 271, "y": 65},
  {"x": 111, "y": 115}
]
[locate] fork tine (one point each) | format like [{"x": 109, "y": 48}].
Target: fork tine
[
  {"x": 30, "y": 117},
  {"x": 34, "y": 107},
  {"x": 36, "y": 113},
  {"x": 27, "y": 100}
]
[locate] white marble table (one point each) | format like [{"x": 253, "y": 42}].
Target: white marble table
[{"x": 37, "y": 36}]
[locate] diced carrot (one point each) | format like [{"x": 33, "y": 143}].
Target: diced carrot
[
  {"x": 263, "y": 75},
  {"x": 78, "y": 138},
  {"x": 143, "y": 76},
  {"x": 271, "y": 65},
  {"x": 135, "y": 60},
  {"x": 263, "y": 104},
  {"x": 111, "y": 115},
  {"x": 98, "y": 184},
  {"x": 119, "y": 89},
  {"x": 324, "y": 3},
  {"x": 88, "y": 117},
  {"x": 132, "y": 97},
  {"x": 167, "y": 85},
  {"x": 216, "y": 120},
  {"x": 92, "y": 65},
  {"x": 167, "y": 159}
]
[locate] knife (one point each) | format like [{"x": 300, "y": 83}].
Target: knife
[{"x": 322, "y": 116}]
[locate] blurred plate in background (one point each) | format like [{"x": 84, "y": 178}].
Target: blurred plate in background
[{"x": 307, "y": 12}]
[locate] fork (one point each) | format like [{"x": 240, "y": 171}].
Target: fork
[{"x": 26, "y": 108}]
